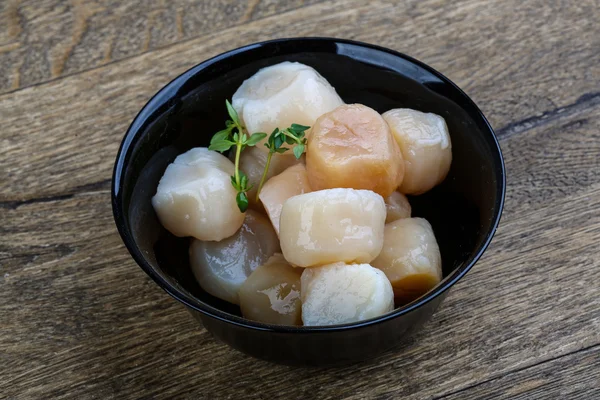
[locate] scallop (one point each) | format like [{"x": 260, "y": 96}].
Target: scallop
[
  {"x": 397, "y": 206},
  {"x": 410, "y": 258},
  {"x": 327, "y": 226},
  {"x": 252, "y": 163},
  {"x": 271, "y": 294},
  {"x": 291, "y": 182},
  {"x": 352, "y": 147},
  {"x": 341, "y": 294},
  {"x": 281, "y": 95},
  {"x": 195, "y": 197},
  {"x": 222, "y": 267},
  {"x": 426, "y": 147}
]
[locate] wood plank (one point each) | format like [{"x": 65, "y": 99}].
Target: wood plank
[
  {"x": 64, "y": 118},
  {"x": 48, "y": 39},
  {"x": 113, "y": 333},
  {"x": 553, "y": 161},
  {"x": 571, "y": 377}
]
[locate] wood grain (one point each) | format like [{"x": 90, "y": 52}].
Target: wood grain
[
  {"x": 571, "y": 377},
  {"x": 81, "y": 321},
  {"x": 44, "y": 40}
]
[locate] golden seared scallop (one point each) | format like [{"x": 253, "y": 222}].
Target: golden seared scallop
[
  {"x": 332, "y": 225},
  {"x": 340, "y": 294},
  {"x": 397, "y": 206},
  {"x": 352, "y": 147},
  {"x": 281, "y": 95},
  {"x": 425, "y": 144},
  {"x": 222, "y": 267},
  {"x": 271, "y": 294},
  {"x": 252, "y": 163},
  {"x": 195, "y": 197},
  {"x": 410, "y": 258},
  {"x": 291, "y": 182}
]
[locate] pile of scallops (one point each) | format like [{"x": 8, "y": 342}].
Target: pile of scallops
[{"x": 331, "y": 239}]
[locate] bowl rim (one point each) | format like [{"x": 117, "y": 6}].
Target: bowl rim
[{"x": 193, "y": 303}]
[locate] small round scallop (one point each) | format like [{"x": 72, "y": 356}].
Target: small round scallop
[
  {"x": 327, "y": 226},
  {"x": 410, "y": 258},
  {"x": 340, "y": 294},
  {"x": 222, "y": 267},
  {"x": 352, "y": 147},
  {"x": 252, "y": 163},
  {"x": 426, "y": 147},
  {"x": 195, "y": 197},
  {"x": 397, "y": 206},
  {"x": 281, "y": 95},
  {"x": 271, "y": 294},
  {"x": 291, "y": 182}
]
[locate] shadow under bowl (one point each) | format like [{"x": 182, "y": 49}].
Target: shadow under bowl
[{"x": 464, "y": 210}]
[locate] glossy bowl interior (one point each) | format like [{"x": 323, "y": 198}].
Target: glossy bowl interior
[{"x": 464, "y": 210}]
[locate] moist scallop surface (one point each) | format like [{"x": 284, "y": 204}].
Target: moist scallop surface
[
  {"x": 410, "y": 258},
  {"x": 281, "y": 95},
  {"x": 339, "y": 294},
  {"x": 291, "y": 182},
  {"x": 352, "y": 147},
  {"x": 331, "y": 225},
  {"x": 222, "y": 267},
  {"x": 195, "y": 197},
  {"x": 397, "y": 207},
  {"x": 271, "y": 294},
  {"x": 426, "y": 148}
]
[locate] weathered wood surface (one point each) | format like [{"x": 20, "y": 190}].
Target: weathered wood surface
[{"x": 80, "y": 320}]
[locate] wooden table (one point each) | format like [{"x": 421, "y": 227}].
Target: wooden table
[{"x": 79, "y": 319}]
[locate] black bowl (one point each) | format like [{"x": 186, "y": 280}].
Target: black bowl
[{"x": 464, "y": 210}]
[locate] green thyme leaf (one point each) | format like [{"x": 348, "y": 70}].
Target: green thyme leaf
[
  {"x": 243, "y": 181},
  {"x": 255, "y": 138},
  {"x": 299, "y": 128},
  {"x": 298, "y": 150},
  {"x": 278, "y": 141},
  {"x": 290, "y": 140},
  {"x": 232, "y": 113},
  {"x": 242, "y": 201},
  {"x": 221, "y": 135},
  {"x": 271, "y": 141},
  {"x": 221, "y": 145}
]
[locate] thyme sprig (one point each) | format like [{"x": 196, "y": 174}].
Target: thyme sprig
[{"x": 235, "y": 134}]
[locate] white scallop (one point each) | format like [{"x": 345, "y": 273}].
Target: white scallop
[
  {"x": 426, "y": 148},
  {"x": 283, "y": 94},
  {"x": 195, "y": 197},
  {"x": 340, "y": 294},
  {"x": 332, "y": 225},
  {"x": 397, "y": 207},
  {"x": 222, "y": 267}
]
